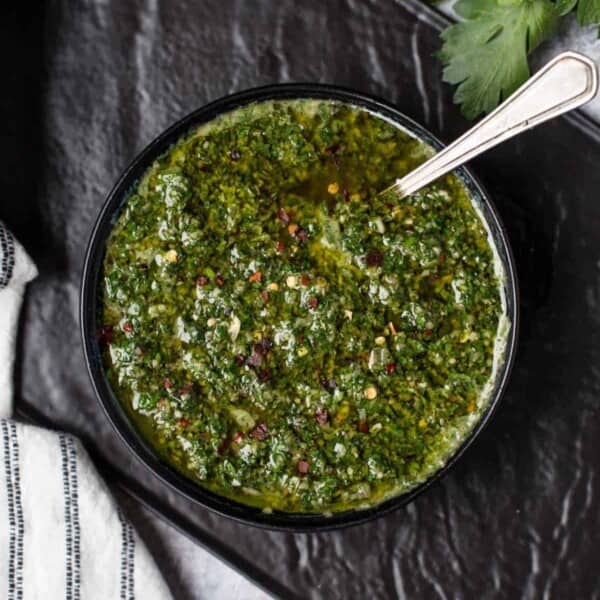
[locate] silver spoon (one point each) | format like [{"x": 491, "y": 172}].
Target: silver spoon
[{"x": 566, "y": 82}]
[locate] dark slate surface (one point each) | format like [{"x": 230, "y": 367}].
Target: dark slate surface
[{"x": 88, "y": 84}]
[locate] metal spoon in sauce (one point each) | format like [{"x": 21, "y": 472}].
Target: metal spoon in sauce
[{"x": 566, "y": 82}]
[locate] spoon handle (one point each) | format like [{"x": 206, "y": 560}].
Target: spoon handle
[{"x": 566, "y": 82}]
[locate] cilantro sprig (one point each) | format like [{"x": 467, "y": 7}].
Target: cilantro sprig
[{"x": 485, "y": 55}]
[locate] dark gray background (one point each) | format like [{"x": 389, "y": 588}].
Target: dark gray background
[{"x": 88, "y": 84}]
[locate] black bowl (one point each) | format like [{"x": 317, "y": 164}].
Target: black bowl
[{"x": 91, "y": 309}]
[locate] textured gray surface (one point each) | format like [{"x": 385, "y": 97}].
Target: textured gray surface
[{"x": 518, "y": 516}]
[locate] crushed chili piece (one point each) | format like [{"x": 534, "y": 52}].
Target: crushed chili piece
[
  {"x": 264, "y": 375},
  {"x": 283, "y": 216},
  {"x": 259, "y": 432},
  {"x": 168, "y": 384},
  {"x": 238, "y": 437},
  {"x": 313, "y": 302},
  {"x": 428, "y": 332},
  {"x": 256, "y": 276},
  {"x": 328, "y": 384},
  {"x": 303, "y": 467},
  {"x": 186, "y": 389},
  {"x": 280, "y": 246},
  {"x": 223, "y": 446},
  {"x": 390, "y": 368},
  {"x": 202, "y": 280},
  {"x": 264, "y": 345},
  {"x": 128, "y": 327},
  {"x": 264, "y": 295},
  {"x": 105, "y": 335},
  {"x": 346, "y": 195},
  {"x": 375, "y": 258},
  {"x": 183, "y": 422},
  {"x": 219, "y": 281},
  {"x": 305, "y": 280},
  {"x": 333, "y": 149},
  {"x": 255, "y": 359},
  {"x": 302, "y": 234},
  {"x": 363, "y": 427},
  {"x": 240, "y": 360},
  {"x": 322, "y": 415}
]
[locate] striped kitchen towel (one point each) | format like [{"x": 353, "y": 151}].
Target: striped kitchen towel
[{"x": 61, "y": 533}]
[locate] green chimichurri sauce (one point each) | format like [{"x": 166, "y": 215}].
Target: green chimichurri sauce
[{"x": 284, "y": 335}]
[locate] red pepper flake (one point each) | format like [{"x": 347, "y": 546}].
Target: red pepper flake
[
  {"x": 375, "y": 258},
  {"x": 434, "y": 277},
  {"x": 264, "y": 295},
  {"x": 259, "y": 432},
  {"x": 280, "y": 246},
  {"x": 202, "y": 280},
  {"x": 283, "y": 216},
  {"x": 183, "y": 422},
  {"x": 186, "y": 389},
  {"x": 390, "y": 368},
  {"x": 313, "y": 302},
  {"x": 223, "y": 446},
  {"x": 240, "y": 360},
  {"x": 332, "y": 149},
  {"x": 255, "y": 359},
  {"x": 235, "y": 154},
  {"x": 105, "y": 335},
  {"x": 328, "y": 384},
  {"x": 303, "y": 467},
  {"x": 346, "y": 195},
  {"x": 264, "y": 346},
  {"x": 363, "y": 427},
  {"x": 238, "y": 437},
  {"x": 322, "y": 415},
  {"x": 428, "y": 332},
  {"x": 128, "y": 327},
  {"x": 219, "y": 281},
  {"x": 301, "y": 339},
  {"x": 301, "y": 234},
  {"x": 264, "y": 375},
  {"x": 256, "y": 276},
  {"x": 168, "y": 384},
  {"x": 305, "y": 280}
]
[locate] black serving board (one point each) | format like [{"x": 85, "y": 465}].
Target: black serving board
[{"x": 89, "y": 84}]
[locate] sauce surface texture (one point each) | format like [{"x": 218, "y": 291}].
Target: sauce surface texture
[{"x": 282, "y": 334}]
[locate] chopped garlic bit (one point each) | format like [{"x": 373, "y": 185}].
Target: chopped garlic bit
[
  {"x": 273, "y": 287},
  {"x": 211, "y": 322},
  {"x": 333, "y": 188},
  {"x": 371, "y": 393},
  {"x": 171, "y": 256},
  {"x": 380, "y": 341},
  {"x": 292, "y": 281},
  {"x": 348, "y": 314},
  {"x": 339, "y": 449},
  {"x": 234, "y": 328}
]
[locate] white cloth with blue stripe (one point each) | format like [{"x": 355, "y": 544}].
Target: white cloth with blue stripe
[{"x": 61, "y": 533}]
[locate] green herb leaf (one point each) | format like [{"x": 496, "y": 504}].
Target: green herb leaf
[
  {"x": 486, "y": 56},
  {"x": 564, "y": 7},
  {"x": 588, "y": 12}
]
